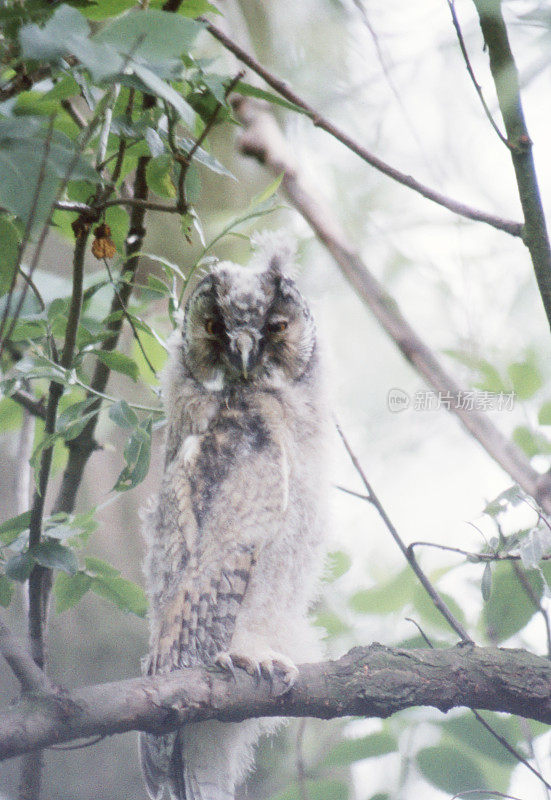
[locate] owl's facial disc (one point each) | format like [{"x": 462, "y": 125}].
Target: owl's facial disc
[{"x": 243, "y": 327}]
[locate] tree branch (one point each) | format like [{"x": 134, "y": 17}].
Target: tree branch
[
  {"x": 407, "y": 552},
  {"x": 263, "y": 140},
  {"x": 31, "y": 677},
  {"x": 374, "y": 681},
  {"x": 509, "y": 226},
  {"x": 505, "y": 75},
  {"x": 82, "y": 446}
]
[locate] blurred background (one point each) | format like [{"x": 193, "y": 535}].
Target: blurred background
[{"x": 391, "y": 74}]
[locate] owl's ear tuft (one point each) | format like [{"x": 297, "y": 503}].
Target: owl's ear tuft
[{"x": 274, "y": 252}]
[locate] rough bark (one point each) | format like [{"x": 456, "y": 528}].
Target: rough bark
[{"x": 374, "y": 681}]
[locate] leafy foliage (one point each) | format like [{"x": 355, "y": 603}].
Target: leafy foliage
[{"x": 109, "y": 85}]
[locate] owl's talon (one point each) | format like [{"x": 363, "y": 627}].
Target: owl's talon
[{"x": 225, "y": 662}]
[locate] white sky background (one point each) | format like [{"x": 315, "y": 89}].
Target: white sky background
[{"x": 461, "y": 284}]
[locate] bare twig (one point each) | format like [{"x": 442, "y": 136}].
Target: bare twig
[
  {"x": 513, "y": 228},
  {"x": 477, "y": 86},
  {"x": 262, "y": 139},
  {"x": 408, "y": 554},
  {"x": 514, "y": 752}
]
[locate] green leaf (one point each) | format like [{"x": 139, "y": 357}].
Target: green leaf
[
  {"x": 449, "y": 769},
  {"x": 490, "y": 380},
  {"x": 10, "y": 530},
  {"x": 67, "y": 31},
  {"x": 54, "y": 555},
  {"x": 486, "y": 584},
  {"x": 544, "y": 414},
  {"x": 119, "y": 362},
  {"x": 352, "y": 750},
  {"x": 161, "y": 89},
  {"x": 315, "y": 790},
  {"x": 338, "y": 563},
  {"x": 424, "y": 605},
  {"x": 159, "y": 177},
  {"x": 99, "y": 567},
  {"x": 69, "y": 589},
  {"x": 6, "y": 591},
  {"x": 333, "y": 624},
  {"x": 11, "y": 415},
  {"x": 123, "y": 416},
  {"x": 136, "y": 454},
  {"x": 9, "y": 247},
  {"x": 31, "y": 166},
  {"x": 73, "y": 419},
  {"x": 512, "y": 496},
  {"x": 472, "y": 734},
  {"x": 161, "y": 34},
  {"x": 386, "y": 597},
  {"x": 509, "y": 609},
  {"x": 533, "y": 443},
  {"x": 195, "y": 8},
  {"x": 268, "y": 192},
  {"x": 249, "y": 90},
  {"x": 19, "y": 566},
  {"x": 526, "y": 379},
  {"x": 128, "y": 596},
  {"x": 52, "y": 40}
]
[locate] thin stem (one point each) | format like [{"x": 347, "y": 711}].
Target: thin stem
[
  {"x": 129, "y": 319},
  {"x": 513, "y": 228},
  {"x": 514, "y": 752},
  {"x": 477, "y": 86},
  {"x": 534, "y": 599},
  {"x": 408, "y": 555}
]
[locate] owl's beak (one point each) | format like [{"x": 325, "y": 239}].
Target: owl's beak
[{"x": 245, "y": 346}]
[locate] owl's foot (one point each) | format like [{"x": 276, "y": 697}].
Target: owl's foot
[
  {"x": 229, "y": 661},
  {"x": 275, "y": 667}
]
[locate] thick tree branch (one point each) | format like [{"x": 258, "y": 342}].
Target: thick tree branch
[
  {"x": 505, "y": 75},
  {"x": 262, "y": 139},
  {"x": 509, "y": 226},
  {"x": 373, "y": 681}
]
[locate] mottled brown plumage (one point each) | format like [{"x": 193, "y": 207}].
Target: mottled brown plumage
[{"x": 236, "y": 536}]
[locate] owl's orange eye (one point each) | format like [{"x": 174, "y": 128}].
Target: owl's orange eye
[
  {"x": 211, "y": 327},
  {"x": 278, "y": 327}
]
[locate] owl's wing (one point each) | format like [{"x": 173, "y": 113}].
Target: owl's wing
[
  {"x": 199, "y": 620},
  {"x": 232, "y": 482}
]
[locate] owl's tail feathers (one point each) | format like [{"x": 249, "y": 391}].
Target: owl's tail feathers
[{"x": 163, "y": 767}]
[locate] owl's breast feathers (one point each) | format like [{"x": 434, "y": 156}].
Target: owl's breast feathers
[{"x": 217, "y": 511}]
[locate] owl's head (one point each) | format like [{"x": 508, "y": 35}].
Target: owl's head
[{"x": 247, "y": 324}]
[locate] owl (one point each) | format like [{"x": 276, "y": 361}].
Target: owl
[{"x": 236, "y": 535}]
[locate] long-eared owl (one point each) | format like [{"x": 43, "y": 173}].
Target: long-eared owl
[{"x": 236, "y": 535}]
